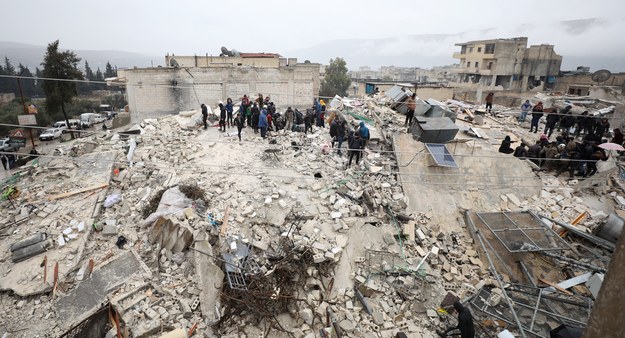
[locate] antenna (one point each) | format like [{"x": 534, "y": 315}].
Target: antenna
[{"x": 601, "y": 75}]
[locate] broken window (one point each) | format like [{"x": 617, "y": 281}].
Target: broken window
[
  {"x": 477, "y": 64},
  {"x": 489, "y": 49}
]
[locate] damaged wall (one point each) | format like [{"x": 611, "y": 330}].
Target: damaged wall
[{"x": 157, "y": 91}]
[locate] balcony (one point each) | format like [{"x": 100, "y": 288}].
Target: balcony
[{"x": 458, "y": 55}]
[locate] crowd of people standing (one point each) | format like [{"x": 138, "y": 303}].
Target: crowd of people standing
[{"x": 261, "y": 116}]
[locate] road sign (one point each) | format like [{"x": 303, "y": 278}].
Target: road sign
[
  {"x": 16, "y": 133},
  {"x": 27, "y": 120},
  {"x": 17, "y": 142}
]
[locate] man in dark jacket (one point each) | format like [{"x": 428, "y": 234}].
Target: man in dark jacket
[
  {"x": 204, "y": 115},
  {"x": 465, "y": 323},
  {"x": 550, "y": 124},
  {"x": 255, "y": 117},
  {"x": 356, "y": 144},
  {"x": 222, "y": 117}
]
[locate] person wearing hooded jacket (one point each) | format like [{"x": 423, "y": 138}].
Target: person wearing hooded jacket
[
  {"x": 363, "y": 132},
  {"x": 262, "y": 123},
  {"x": 465, "y": 323}
]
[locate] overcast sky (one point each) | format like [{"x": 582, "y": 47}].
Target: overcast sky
[{"x": 190, "y": 27}]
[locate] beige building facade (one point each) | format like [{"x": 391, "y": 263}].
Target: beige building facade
[
  {"x": 508, "y": 63},
  {"x": 184, "y": 86}
]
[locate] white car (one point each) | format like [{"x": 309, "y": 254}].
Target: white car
[{"x": 50, "y": 134}]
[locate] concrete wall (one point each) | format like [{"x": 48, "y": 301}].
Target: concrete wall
[
  {"x": 607, "y": 317},
  {"x": 6, "y": 97},
  {"x": 220, "y": 61},
  {"x": 436, "y": 93},
  {"x": 541, "y": 60},
  {"x": 157, "y": 91},
  {"x": 564, "y": 82}
]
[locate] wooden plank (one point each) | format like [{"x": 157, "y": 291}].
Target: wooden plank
[
  {"x": 224, "y": 224},
  {"x": 556, "y": 286},
  {"x": 75, "y": 192}
]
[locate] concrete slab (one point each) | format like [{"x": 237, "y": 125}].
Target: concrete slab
[
  {"x": 92, "y": 294},
  {"x": 210, "y": 278}
]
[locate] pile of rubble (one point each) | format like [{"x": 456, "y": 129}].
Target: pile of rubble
[{"x": 164, "y": 228}]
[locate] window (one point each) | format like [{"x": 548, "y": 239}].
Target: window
[
  {"x": 489, "y": 49},
  {"x": 470, "y": 49},
  {"x": 479, "y": 49},
  {"x": 468, "y": 64},
  {"x": 463, "y": 50},
  {"x": 477, "y": 64},
  {"x": 490, "y": 65}
]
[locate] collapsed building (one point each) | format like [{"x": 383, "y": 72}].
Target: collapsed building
[{"x": 163, "y": 229}]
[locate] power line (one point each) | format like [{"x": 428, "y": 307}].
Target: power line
[
  {"x": 392, "y": 152},
  {"x": 224, "y": 170}
]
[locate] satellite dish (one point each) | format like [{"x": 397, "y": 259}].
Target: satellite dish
[
  {"x": 235, "y": 52},
  {"x": 173, "y": 63},
  {"x": 601, "y": 75}
]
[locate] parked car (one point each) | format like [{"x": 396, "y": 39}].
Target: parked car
[
  {"x": 99, "y": 118},
  {"x": 89, "y": 119},
  {"x": 73, "y": 124},
  {"x": 50, "y": 134},
  {"x": 4, "y": 145}
]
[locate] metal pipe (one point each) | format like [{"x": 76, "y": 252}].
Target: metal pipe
[
  {"x": 600, "y": 242},
  {"x": 527, "y": 274},
  {"x": 574, "y": 262},
  {"x": 501, "y": 285}
]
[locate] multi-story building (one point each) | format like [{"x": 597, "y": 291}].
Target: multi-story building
[{"x": 508, "y": 63}]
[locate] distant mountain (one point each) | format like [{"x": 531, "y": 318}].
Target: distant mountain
[{"x": 32, "y": 56}]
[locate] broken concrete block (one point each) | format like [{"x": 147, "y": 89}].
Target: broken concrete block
[
  {"x": 307, "y": 316},
  {"x": 282, "y": 204},
  {"x": 335, "y": 214},
  {"x": 109, "y": 230},
  {"x": 431, "y": 313},
  {"x": 185, "y": 308}
]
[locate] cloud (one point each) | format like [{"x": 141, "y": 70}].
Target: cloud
[{"x": 577, "y": 27}]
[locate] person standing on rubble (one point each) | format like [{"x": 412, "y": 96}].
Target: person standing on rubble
[
  {"x": 245, "y": 102},
  {"x": 489, "y": 102},
  {"x": 465, "y": 323},
  {"x": 340, "y": 135},
  {"x": 308, "y": 120},
  {"x": 525, "y": 109},
  {"x": 412, "y": 105},
  {"x": 229, "y": 111},
  {"x": 288, "y": 116},
  {"x": 204, "y": 115},
  {"x": 222, "y": 117},
  {"x": 356, "y": 144},
  {"x": 537, "y": 113},
  {"x": 550, "y": 124},
  {"x": 364, "y": 134},
  {"x": 255, "y": 117},
  {"x": 262, "y": 122},
  {"x": 239, "y": 121}
]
